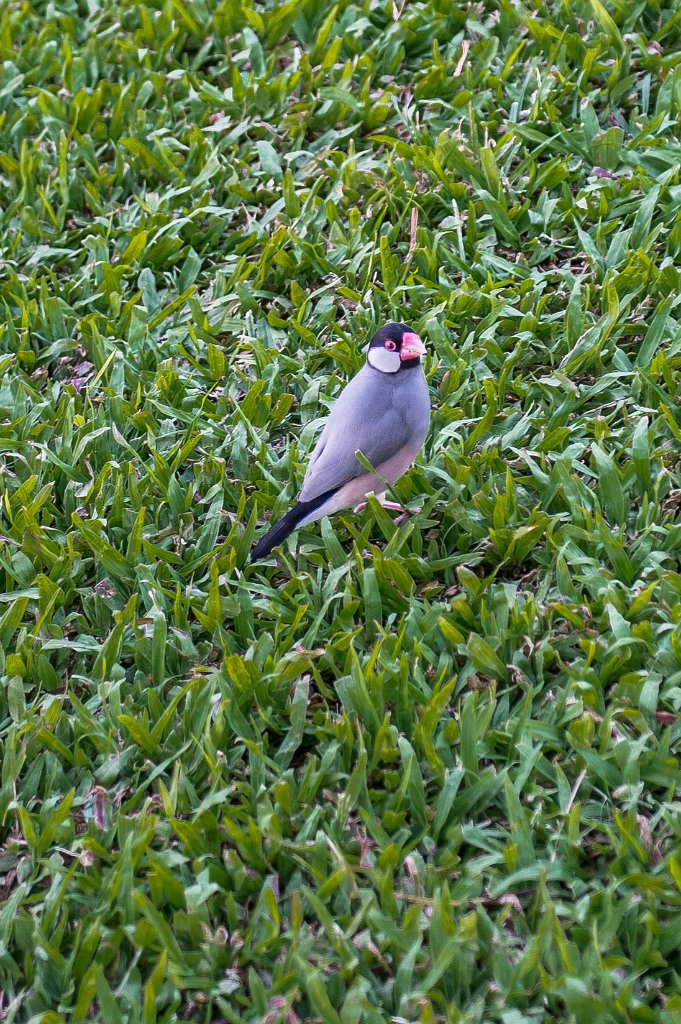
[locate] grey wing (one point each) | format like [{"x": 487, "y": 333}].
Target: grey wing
[{"x": 376, "y": 429}]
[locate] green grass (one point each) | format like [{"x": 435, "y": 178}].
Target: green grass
[{"x": 418, "y": 773}]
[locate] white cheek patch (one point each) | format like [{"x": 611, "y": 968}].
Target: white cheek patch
[{"x": 381, "y": 359}]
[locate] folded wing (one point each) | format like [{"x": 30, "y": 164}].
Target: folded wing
[{"x": 359, "y": 421}]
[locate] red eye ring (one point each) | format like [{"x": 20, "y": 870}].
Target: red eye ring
[{"x": 390, "y": 345}]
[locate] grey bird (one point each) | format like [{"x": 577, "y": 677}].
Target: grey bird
[{"x": 384, "y": 413}]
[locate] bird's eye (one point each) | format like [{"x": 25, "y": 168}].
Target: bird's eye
[{"x": 390, "y": 345}]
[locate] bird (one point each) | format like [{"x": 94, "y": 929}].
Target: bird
[{"x": 384, "y": 412}]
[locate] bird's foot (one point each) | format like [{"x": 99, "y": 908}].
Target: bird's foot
[
  {"x": 406, "y": 512},
  {"x": 393, "y": 506}
]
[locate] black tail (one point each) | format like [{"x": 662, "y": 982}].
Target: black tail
[{"x": 286, "y": 525}]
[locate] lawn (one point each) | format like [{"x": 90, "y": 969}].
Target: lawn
[{"x": 418, "y": 772}]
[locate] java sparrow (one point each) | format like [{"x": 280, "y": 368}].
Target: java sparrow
[{"x": 384, "y": 413}]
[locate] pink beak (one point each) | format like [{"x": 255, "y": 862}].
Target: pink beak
[{"x": 412, "y": 346}]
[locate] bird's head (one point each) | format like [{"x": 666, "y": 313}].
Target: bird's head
[{"x": 395, "y": 348}]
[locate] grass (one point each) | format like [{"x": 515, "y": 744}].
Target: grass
[{"x": 418, "y": 773}]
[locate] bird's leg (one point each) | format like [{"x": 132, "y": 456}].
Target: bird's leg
[
  {"x": 406, "y": 512},
  {"x": 362, "y": 505},
  {"x": 393, "y": 506}
]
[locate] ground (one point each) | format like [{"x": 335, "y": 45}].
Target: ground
[{"x": 417, "y": 772}]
